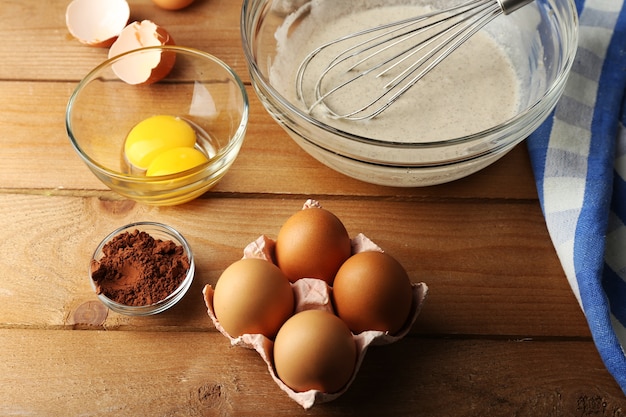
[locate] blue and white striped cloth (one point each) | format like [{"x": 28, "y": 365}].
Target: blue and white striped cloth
[{"x": 579, "y": 161}]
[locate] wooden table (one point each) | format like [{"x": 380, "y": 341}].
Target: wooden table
[{"x": 500, "y": 334}]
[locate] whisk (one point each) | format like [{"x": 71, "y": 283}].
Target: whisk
[{"x": 384, "y": 62}]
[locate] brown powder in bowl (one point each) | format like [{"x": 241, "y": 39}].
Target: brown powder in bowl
[{"x": 139, "y": 270}]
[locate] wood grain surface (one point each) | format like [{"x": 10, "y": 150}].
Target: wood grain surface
[{"x": 501, "y": 333}]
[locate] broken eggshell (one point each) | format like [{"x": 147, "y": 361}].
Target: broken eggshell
[
  {"x": 150, "y": 66},
  {"x": 97, "y": 22},
  {"x": 311, "y": 293}
]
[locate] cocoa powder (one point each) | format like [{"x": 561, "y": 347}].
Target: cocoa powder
[{"x": 139, "y": 270}]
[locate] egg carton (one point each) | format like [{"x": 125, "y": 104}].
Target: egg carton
[{"x": 312, "y": 293}]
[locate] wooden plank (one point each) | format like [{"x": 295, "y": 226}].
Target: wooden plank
[
  {"x": 269, "y": 162},
  {"x": 212, "y": 26},
  {"x": 500, "y": 334},
  {"x": 50, "y": 373},
  {"x": 490, "y": 267}
]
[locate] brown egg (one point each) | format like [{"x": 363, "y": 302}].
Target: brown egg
[
  {"x": 315, "y": 350},
  {"x": 145, "y": 68},
  {"x": 372, "y": 291},
  {"x": 313, "y": 243},
  {"x": 97, "y": 22},
  {"x": 172, "y": 4},
  {"x": 252, "y": 296}
]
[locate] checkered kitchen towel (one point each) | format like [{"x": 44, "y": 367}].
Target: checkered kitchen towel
[{"x": 579, "y": 160}]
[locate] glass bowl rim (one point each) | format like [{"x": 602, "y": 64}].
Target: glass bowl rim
[
  {"x": 164, "y": 303},
  {"x": 499, "y": 129},
  {"x": 234, "y": 141}
]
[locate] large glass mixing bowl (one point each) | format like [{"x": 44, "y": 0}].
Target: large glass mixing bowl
[{"x": 540, "y": 40}]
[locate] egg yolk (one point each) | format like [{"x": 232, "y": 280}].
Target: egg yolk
[
  {"x": 153, "y": 136},
  {"x": 175, "y": 160}
]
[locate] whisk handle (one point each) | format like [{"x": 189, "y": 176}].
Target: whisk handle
[{"x": 509, "y": 6}]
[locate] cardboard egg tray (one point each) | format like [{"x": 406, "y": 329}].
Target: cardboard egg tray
[{"x": 311, "y": 293}]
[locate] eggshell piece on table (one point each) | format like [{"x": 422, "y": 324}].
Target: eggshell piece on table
[
  {"x": 172, "y": 4},
  {"x": 148, "y": 67},
  {"x": 97, "y": 22}
]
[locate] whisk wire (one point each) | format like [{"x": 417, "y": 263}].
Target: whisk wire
[
  {"x": 354, "y": 49},
  {"x": 422, "y": 45},
  {"x": 407, "y": 73},
  {"x": 435, "y": 56},
  {"x": 431, "y": 38},
  {"x": 445, "y": 40}
]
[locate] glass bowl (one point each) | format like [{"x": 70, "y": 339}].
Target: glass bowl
[
  {"x": 200, "y": 89},
  {"x": 539, "y": 40},
  {"x": 159, "y": 232}
]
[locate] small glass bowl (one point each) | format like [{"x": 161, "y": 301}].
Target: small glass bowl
[
  {"x": 157, "y": 231},
  {"x": 200, "y": 89}
]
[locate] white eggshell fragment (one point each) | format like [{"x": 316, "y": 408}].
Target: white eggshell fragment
[
  {"x": 97, "y": 22},
  {"x": 144, "y": 68}
]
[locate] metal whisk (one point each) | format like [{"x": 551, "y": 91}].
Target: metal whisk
[{"x": 384, "y": 62}]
